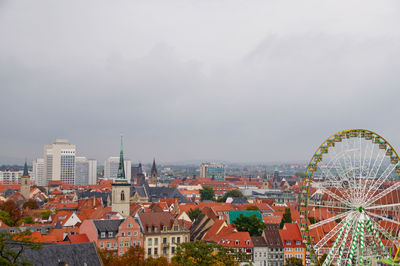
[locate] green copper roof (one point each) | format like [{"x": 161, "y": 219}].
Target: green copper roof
[
  {"x": 121, "y": 167},
  {"x": 233, "y": 215}
]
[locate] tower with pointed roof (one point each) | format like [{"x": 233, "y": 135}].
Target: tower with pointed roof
[
  {"x": 25, "y": 189},
  {"x": 121, "y": 189},
  {"x": 153, "y": 173}
]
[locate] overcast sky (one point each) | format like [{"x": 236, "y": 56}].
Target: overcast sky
[{"x": 232, "y": 80}]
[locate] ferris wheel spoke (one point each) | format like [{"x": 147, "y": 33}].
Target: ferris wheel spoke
[
  {"x": 382, "y": 194},
  {"x": 329, "y": 206},
  {"x": 333, "y": 195},
  {"x": 372, "y": 190},
  {"x": 382, "y": 217},
  {"x": 383, "y": 206},
  {"x": 331, "y": 219},
  {"x": 330, "y": 234}
]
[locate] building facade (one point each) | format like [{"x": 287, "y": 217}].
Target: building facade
[
  {"x": 38, "y": 171},
  {"x": 213, "y": 170},
  {"x": 92, "y": 172},
  {"x": 11, "y": 177},
  {"x": 59, "y": 162},
  {"x": 161, "y": 234}
]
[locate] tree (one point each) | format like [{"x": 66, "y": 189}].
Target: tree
[
  {"x": 250, "y": 224},
  {"x": 234, "y": 193},
  {"x": 194, "y": 213},
  {"x": 287, "y": 218},
  {"x": 13, "y": 210},
  {"x": 323, "y": 258},
  {"x": 26, "y": 220},
  {"x": 252, "y": 208},
  {"x": 45, "y": 214},
  {"x": 204, "y": 254},
  {"x": 13, "y": 246},
  {"x": 5, "y": 217},
  {"x": 31, "y": 204},
  {"x": 294, "y": 262},
  {"x": 207, "y": 193},
  {"x": 134, "y": 256}
]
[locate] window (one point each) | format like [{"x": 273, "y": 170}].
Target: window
[
  {"x": 173, "y": 239},
  {"x": 122, "y": 195},
  {"x": 129, "y": 225},
  {"x": 185, "y": 238},
  {"x": 172, "y": 250},
  {"x": 134, "y": 243},
  {"x": 108, "y": 244},
  {"x": 102, "y": 244},
  {"x": 126, "y": 243},
  {"x": 121, "y": 244},
  {"x": 129, "y": 233},
  {"x": 149, "y": 229},
  {"x": 121, "y": 253},
  {"x": 236, "y": 242},
  {"x": 298, "y": 242},
  {"x": 156, "y": 241},
  {"x": 123, "y": 234},
  {"x": 288, "y": 242},
  {"x": 164, "y": 240},
  {"x": 110, "y": 234},
  {"x": 103, "y": 234},
  {"x": 178, "y": 239},
  {"x": 265, "y": 254},
  {"x": 288, "y": 249},
  {"x": 164, "y": 251},
  {"x": 155, "y": 251},
  {"x": 115, "y": 244},
  {"x": 135, "y": 233},
  {"x": 138, "y": 242},
  {"x": 175, "y": 228},
  {"x": 149, "y": 251},
  {"x": 156, "y": 229},
  {"x": 164, "y": 228},
  {"x": 149, "y": 241}
]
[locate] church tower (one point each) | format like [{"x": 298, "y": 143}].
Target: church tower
[
  {"x": 153, "y": 173},
  {"x": 25, "y": 183},
  {"x": 121, "y": 189}
]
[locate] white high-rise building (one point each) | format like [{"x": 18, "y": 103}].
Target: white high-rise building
[
  {"x": 81, "y": 171},
  {"x": 111, "y": 168},
  {"x": 59, "y": 161},
  {"x": 92, "y": 172},
  {"x": 38, "y": 172},
  {"x": 85, "y": 171}
]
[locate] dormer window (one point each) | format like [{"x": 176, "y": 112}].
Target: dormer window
[
  {"x": 247, "y": 242},
  {"x": 236, "y": 242},
  {"x": 164, "y": 228},
  {"x": 175, "y": 228},
  {"x": 155, "y": 229},
  {"x": 149, "y": 229},
  {"x": 103, "y": 234},
  {"x": 110, "y": 234}
]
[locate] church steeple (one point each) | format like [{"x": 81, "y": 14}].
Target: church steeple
[
  {"x": 26, "y": 173},
  {"x": 121, "y": 167},
  {"x": 153, "y": 173}
]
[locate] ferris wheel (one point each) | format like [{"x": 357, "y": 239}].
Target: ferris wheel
[{"x": 350, "y": 200}]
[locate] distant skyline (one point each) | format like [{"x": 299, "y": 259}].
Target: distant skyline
[{"x": 223, "y": 80}]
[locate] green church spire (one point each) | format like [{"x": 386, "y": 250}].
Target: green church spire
[{"x": 121, "y": 168}]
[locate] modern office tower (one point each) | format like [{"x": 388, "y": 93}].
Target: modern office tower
[
  {"x": 92, "y": 172},
  {"x": 111, "y": 168},
  {"x": 81, "y": 171},
  {"x": 59, "y": 162},
  {"x": 213, "y": 170},
  {"x": 38, "y": 172}
]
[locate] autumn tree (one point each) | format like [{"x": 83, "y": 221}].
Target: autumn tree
[
  {"x": 31, "y": 204},
  {"x": 252, "y": 208},
  {"x": 204, "y": 254},
  {"x": 194, "y": 213},
  {"x": 13, "y": 210},
  {"x": 294, "y": 262},
  {"x": 251, "y": 224},
  {"x": 207, "y": 193}
]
